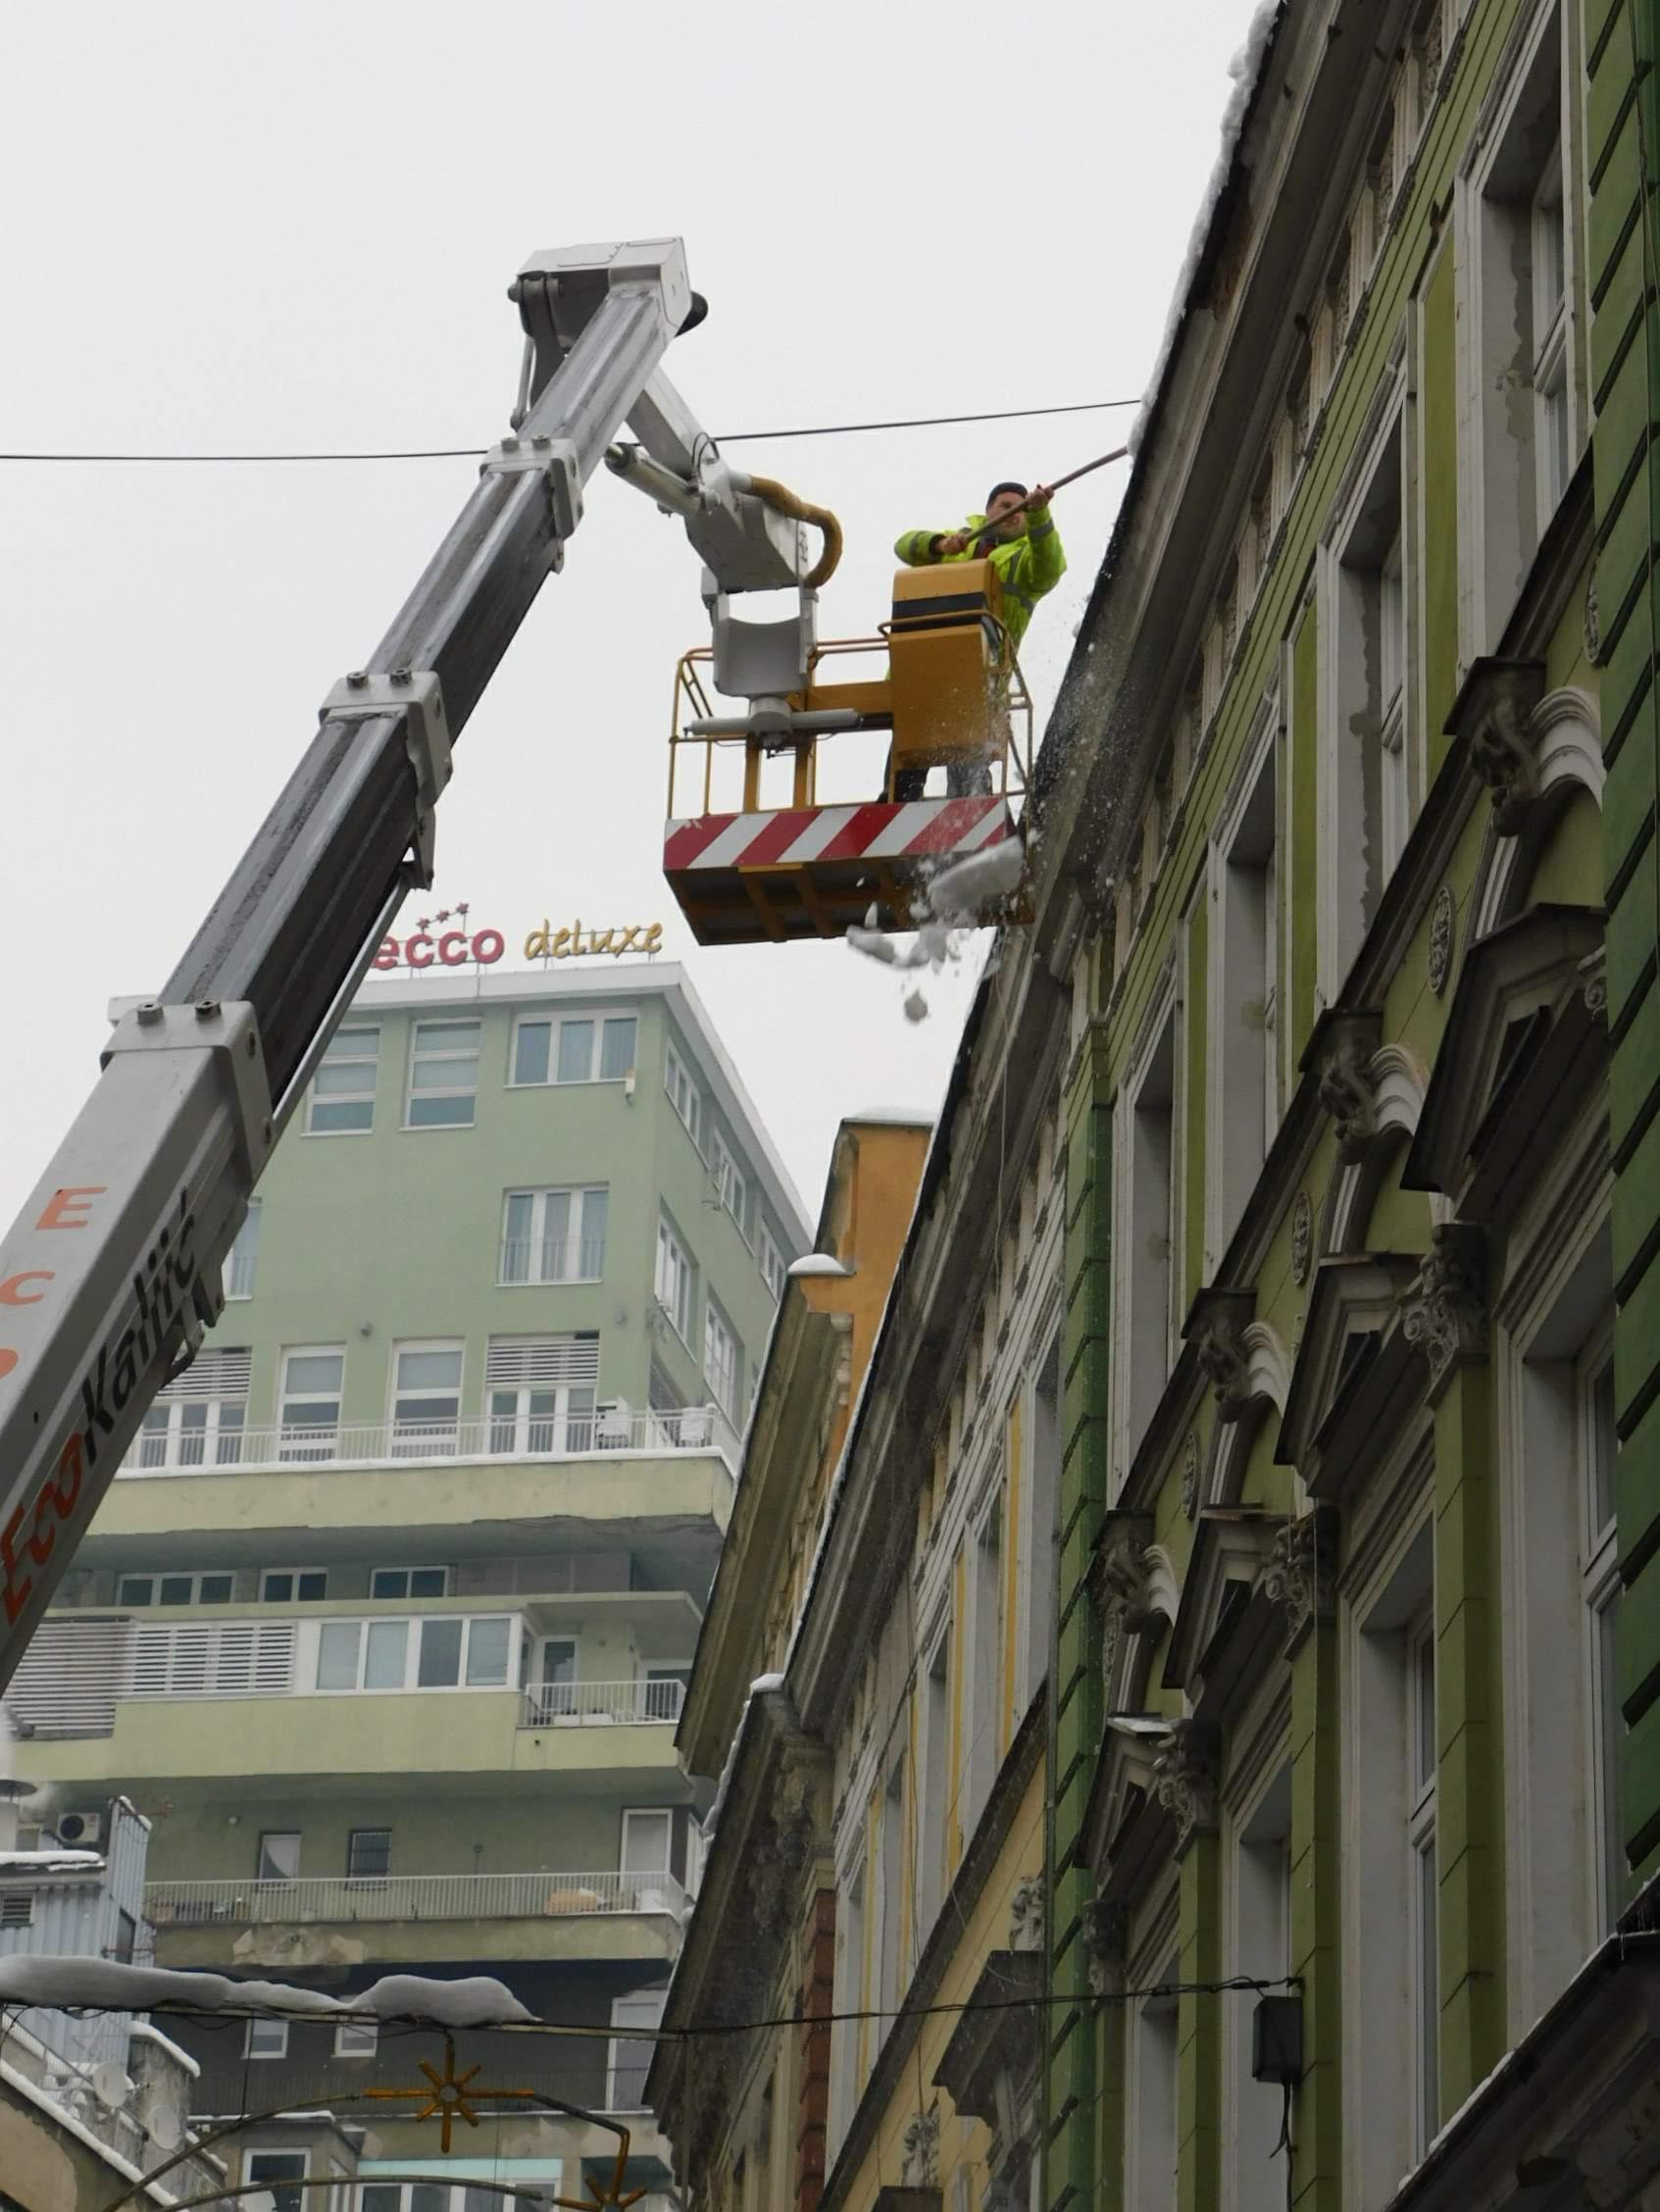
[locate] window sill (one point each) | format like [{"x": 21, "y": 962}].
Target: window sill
[
  {"x": 576, "y": 1083},
  {"x": 431, "y": 1129},
  {"x": 369, "y": 1131},
  {"x": 560, "y": 1283}
]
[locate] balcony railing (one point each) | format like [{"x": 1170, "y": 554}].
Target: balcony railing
[
  {"x": 552, "y": 1259},
  {"x": 600, "y": 1705},
  {"x": 478, "y": 1437},
  {"x": 410, "y": 1897}
]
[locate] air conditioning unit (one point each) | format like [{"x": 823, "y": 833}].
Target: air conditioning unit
[
  {"x": 80, "y": 1830},
  {"x": 612, "y": 1425}
]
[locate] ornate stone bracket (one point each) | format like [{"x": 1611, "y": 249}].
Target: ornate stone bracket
[
  {"x": 1124, "y": 1586},
  {"x": 1216, "y": 1331},
  {"x": 1105, "y": 1935},
  {"x": 1444, "y": 1313},
  {"x": 1185, "y": 1777},
  {"x": 1026, "y": 1914},
  {"x": 1301, "y": 1572},
  {"x": 920, "y": 2165},
  {"x": 1492, "y": 715},
  {"x": 1346, "y": 1050}
]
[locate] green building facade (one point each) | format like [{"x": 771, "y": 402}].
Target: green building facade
[
  {"x": 386, "y": 1623},
  {"x": 1349, "y": 812}
]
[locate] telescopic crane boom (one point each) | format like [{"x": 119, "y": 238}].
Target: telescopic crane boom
[{"x": 112, "y": 1271}]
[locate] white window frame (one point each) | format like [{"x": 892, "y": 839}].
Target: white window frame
[
  {"x": 1388, "y": 1823},
  {"x": 357, "y": 2038},
  {"x": 1599, "y": 1597},
  {"x": 1356, "y": 595},
  {"x": 676, "y": 1274},
  {"x": 936, "y": 1802},
  {"x": 638, "y": 2003},
  {"x": 988, "y": 1625},
  {"x": 1243, "y": 987},
  {"x": 438, "y": 1055},
  {"x": 581, "y": 1254},
  {"x": 635, "y": 1817},
  {"x": 318, "y": 1598},
  {"x": 1424, "y": 1917},
  {"x": 1257, "y": 1863},
  {"x": 682, "y": 1092},
  {"x": 261, "y": 1851},
  {"x": 555, "y": 1024},
  {"x": 272, "y": 2035},
  {"x": 1151, "y": 2092},
  {"x": 732, "y": 1183},
  {"x": 242, "y": 1262},
  {"x": 348, "y": 1049},
  {"x": 551, "y": 1415},
  {"x": 1506, "y": 496},
  {"x": 723, "y": 1358},
  {"x": 849, "y": 1984},
  {"x": 309, "y": 1443},
  {"x": 1147, "y": 1200},
  {"x": 158, "y": 1576},
  {"x": 416, "y": 1435},
  {"x": 893, "y": 1857},
  {"x": 407, "y": 1594},
  {"x": 409, "y": 1682},
  {"x": 769, "y": 1260}
]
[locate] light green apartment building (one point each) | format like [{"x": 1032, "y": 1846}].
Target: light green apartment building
[{"x": 386, "y": 1622}]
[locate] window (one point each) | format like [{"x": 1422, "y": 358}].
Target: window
[
  {"x": 1261, "y": 1949},
  {"x": 540, "y": 1393},
  {"x": 676, "y": 1285},
  {"x": 722, "y": 1360},
  {"x": 1599, "y": 1588},
  {"x": 410, "y": 1581},
  {"x": 173, "y": 1589},
  {"x": 197, "y": 1420},
  {"x": 343, "y": 1091},
  {"x": 1041, "y": 1566},
  {"x": 313, "y": 1376},
  {"x": 1244, "y": 981},
  {"x": 369, "y": 1854},
  {"x": 847, "y": 2034},
  {"x": 357, "y": 2038},
  {"x": 682, "y": 1092},
  {"x": 770, "y": 1261},
  {"x": 17, "y": 1908},
  {"x": 731, "y": 1186},
  {"x": 895, "y": 1857},
  {"x": 1519, "y": 258},
  {"x": 554, "y": 1236},
  {"x": 278, "y": 2166},
  {"x": 443, "y": 1074},
  {"x": 1152, "y": 2083},
  {"x": 242, "y": 1259},
  {"x": 1365, "y": 764},
  {"x": 281, "y": 1586},
  {"x": 268, "y": 2038},
  {"x": 986, "y": 1629},
  {"x": 629, "y": 2060},
  {"x": 647, "y": 1839},
  {"x": 1423, "y": 1966},
  {"x": 1390, "y": 1870},
  {"x": 556, "y": 1680},
  {"x": 936, "y": 1783},
  {"x": 426, "y": 1399},
  {"x": 279, "y": 1858},
  {"x": 1150, "y": 1246},
  {"x": 444, "y": 1653},
  {"x": 574, "y": 1049}
]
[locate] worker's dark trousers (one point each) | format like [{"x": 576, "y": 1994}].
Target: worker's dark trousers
[{"x": 964, "y": 779}]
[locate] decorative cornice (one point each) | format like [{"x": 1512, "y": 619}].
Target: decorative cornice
[
  {"x": 1215, "y": 1328},
  {"x": 1186, "y": 1776},
  {"x": 1341, "y": 1050},
  {"x": 1123, "y": 1585},
  {"x": 1444, "y": 1314}
]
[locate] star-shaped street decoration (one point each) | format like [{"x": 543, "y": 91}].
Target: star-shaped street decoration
[
  {"x": 613, "y": 2198},
  {"x": 451, "y": 2098}
]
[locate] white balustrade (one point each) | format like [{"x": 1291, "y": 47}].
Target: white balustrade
[{"x": 410, "y": 1897}]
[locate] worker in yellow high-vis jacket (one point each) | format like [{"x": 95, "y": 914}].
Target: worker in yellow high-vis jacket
[{"x": 1018, "y": 533}]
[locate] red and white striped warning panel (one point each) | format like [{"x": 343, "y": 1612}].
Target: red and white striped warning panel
[{"x": 743, "y": 879}]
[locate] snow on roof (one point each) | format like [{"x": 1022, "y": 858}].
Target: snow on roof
[
  {"x": 1244, "y": 69},
  {"x": 896, "y": 1117},
  {"x": 49, "y": 1862},
  {"x": 817, "y": 1263},
  {"x": 474, "y": 2001}
]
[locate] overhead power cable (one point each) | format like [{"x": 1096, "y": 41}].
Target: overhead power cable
[{"x": 473, "y": 452}]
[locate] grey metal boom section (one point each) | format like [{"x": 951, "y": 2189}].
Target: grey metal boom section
[{"x": 113, "y": 1269}]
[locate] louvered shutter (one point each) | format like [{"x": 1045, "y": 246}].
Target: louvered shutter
[
  {"x": 542, "y": 1363},
  {"x": 219, "y": 1370}
]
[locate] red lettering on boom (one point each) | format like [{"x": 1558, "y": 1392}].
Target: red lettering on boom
[
  {"x": 65, "y": 1206},
  {"x": 12, "y": 1292}
]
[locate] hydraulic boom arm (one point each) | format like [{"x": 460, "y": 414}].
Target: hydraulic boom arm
[{"x": 112, "y": 1271}]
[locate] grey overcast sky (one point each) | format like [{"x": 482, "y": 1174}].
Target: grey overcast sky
[{"x": 288, "y": 227}]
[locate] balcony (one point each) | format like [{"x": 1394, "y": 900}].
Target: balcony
[
  {"x": 475, "y": 1439},
  {"x": 322, "y": 1900},
  {"x": 618, "y": 1704}
]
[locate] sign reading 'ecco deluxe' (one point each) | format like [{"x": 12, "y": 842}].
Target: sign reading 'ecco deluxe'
[{"x": 483, "y": 949}]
